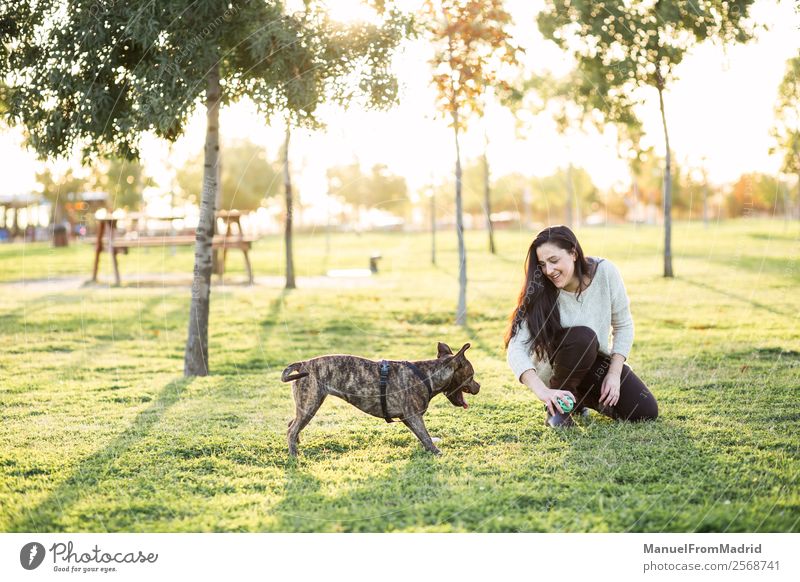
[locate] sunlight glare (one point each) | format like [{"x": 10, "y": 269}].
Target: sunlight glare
[{"x": 350, "y": 11}]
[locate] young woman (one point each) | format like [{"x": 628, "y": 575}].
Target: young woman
[{"x": 558, "y": 334}]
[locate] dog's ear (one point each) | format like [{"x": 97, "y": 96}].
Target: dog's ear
[
  {"x": 463, "y": 349},
  {"x": 444, "y": 350}
]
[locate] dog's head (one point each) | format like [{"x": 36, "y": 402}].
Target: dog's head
[{"x": 463, "y": 375}]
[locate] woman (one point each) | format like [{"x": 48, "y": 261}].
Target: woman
[{"x": 557, "y": 339}]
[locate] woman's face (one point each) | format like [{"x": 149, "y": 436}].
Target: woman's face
[{"x": 557, "y": 264}]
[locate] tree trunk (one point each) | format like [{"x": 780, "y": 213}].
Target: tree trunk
[
  {"x": 487, "y": 196},
  {"x": 287, "y": 183},
  {"x": 527, "y": 211},
  {"x": 570, "y": 197},
  {"x": 667, "y": 194},
  {"x": 196, "y": 357},
  {"x": 461, "y": 312},
  {"x": 798, "y": 195},
  {"x": 433, "y": 228},
  {"x": 216, "y": 261}
]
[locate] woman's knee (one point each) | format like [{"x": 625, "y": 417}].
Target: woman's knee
[
  {"x": 581, "y": 337},
  {"x": 647, "y": 410}
]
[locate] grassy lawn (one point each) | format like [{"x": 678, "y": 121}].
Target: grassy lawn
[{"x": 100, "y": 432}]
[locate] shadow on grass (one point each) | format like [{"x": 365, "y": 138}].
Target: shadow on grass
[
  {"x": 87, "y": 476},
  {"x": 786, "y": 267},
  {"x": 483, "y": 346},
  {"x": 730, "y": 295},
  {"x": 95, "y": 316},
  {"x": 258, "y": 361},
  {"x": 386, "y": 502}
]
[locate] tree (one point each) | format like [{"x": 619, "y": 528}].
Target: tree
[
  {"x": 247, "y": 177},
  {"x": 379, "y": 188},
  {"x": 59, "y": 190},
  {"x": 471, "y": 45},
  {"x": 98, "y": 75},
  {"x": 287, "y": 190},
  {"x": 622, "y": 46},
  {"x": 786, "y": 130},
  {"x": 124, "y": 181},
  {"x": 550, "y": 202},
  {"x": 755, "y": 193}
]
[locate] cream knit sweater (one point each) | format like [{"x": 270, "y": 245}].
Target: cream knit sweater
[{"x": 603, "y": 306}]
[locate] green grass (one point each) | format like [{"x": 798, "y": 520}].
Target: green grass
[{"x": 100, "y": 432}]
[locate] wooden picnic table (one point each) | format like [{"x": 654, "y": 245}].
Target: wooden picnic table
[{"x": 108, "y": 242}]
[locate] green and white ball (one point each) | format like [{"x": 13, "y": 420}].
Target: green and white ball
[{"x": 566, "y": 404}]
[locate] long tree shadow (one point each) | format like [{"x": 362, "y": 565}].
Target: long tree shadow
[
  {"x": 84, "y": 322},
  {"x": 474, "y": 336},
  {"x": 258, "y": 360},
  {"x": 391, "y": 498},
  {"x": 730, "y": 295},
  {"x": 87, "y": 476}
]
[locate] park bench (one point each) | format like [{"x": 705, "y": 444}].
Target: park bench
[{"x": 108, "y": 242}]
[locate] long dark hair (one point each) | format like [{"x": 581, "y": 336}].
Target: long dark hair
[{"x": 537, "y": 304}]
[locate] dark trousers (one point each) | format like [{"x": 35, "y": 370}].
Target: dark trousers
[{"x": 579, "y": 367}]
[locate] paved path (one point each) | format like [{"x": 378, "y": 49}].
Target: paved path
[{"x": 147, "y": 280}]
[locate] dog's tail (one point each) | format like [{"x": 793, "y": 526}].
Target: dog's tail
[{"x": 287, "y": 375}]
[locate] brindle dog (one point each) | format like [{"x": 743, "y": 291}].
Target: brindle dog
[{"x": 357, "y": 381}]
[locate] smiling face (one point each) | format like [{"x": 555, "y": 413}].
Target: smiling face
[{"x": 558, "y": 265}]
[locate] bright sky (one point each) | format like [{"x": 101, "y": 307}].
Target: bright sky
[{"x": 721, "y": 109}]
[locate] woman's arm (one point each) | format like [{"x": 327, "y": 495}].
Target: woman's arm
[
  {"x": 520, "y": 361},
  {"x": 621, "y": 318},
  {"x": 518, "y": 355},
  {"x": 622, "y": 328}
]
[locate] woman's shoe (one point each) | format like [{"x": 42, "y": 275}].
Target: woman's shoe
[{"x": 559, "y": 420}]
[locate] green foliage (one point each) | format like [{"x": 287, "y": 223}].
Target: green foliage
[
  {"x": 547, "y": 194},
  {"x": 626, "y": 44},
  {"x": 124, "y": 181},
  {"x": 378, "y": 188},
  {"x": 97, "y": 75},
  {"x": 756, "y": 192},
  {"x": 619, "y": 46},
  {"x": 249, "y": 177},
  {"x": 786, "y": 131},
  {"x": 99, "y": 433},
  {"x": 59, "y": 189}
]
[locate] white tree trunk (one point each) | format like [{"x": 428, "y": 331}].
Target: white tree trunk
[
  {"x": 570, "y": 198},
  {"x": 287, "y": 183},
  {"x": 461, "y": 312},
  {"x": 196, "y": 356},
  {"x": 667, "y": 196},
  {"x": 487, "y": 196}
]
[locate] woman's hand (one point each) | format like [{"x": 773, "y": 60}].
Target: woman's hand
[
  {"x": 609, "y": 392},
  {"x": 549, "y": 397},
  {"x": 545, "y": 394}
]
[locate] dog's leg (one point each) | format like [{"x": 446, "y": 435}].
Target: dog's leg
[
  {"x": 307, "y": 398},
  {"x": 416, "y": 424}
]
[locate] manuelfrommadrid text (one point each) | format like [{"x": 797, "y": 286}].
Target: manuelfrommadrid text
[{"x": 695, "y": 549}]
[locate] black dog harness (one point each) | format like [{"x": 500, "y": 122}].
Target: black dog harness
[{"x": 384, "y": 380}]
